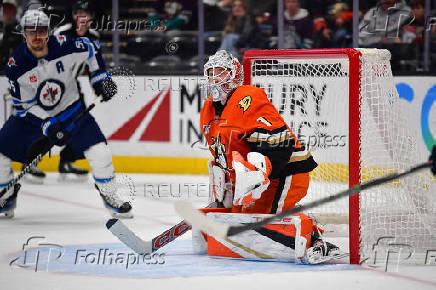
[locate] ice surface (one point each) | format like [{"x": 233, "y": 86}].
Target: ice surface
[{"x": 70, "y": 217}]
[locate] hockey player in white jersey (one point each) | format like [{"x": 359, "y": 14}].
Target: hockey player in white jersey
[{"x": 41, "y": 74}]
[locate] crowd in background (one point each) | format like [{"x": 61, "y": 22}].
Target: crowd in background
[{"x": 168, "y": 41}]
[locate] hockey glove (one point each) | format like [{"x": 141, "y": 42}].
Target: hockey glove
[
  {"x": 433, "y": 158},
  {"x": 106, "y": 89},
  {"x": 53, "y": 129},
  {"x": 251, "y": 177}
]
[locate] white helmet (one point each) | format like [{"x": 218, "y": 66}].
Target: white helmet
[
  {"x": 221, "y": 88},
  {"x": 34, "y": 18}
]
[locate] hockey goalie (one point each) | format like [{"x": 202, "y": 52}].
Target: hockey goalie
[{"x": 258, "y": 168}]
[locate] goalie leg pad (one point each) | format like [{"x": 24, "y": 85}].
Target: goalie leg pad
[
  {"x": 282, "y": 240},
  {"x": 220, "y": 189}
]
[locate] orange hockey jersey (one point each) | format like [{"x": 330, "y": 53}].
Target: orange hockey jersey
[{"x": 249, "y": 122}]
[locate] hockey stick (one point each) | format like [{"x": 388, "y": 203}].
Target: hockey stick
[
  {"x": 38, "y": 158},
  {"x": 125, "y": 80},
  {"x": 130, "y": 239},
  {"x": 223, "y": 231}
]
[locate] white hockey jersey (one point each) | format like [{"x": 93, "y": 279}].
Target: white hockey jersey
[{"x": 46, "y": 87}]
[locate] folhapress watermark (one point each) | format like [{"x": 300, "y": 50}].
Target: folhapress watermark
[
  {"x": 106, "y": 256},
  {"x": 389, "y": 254},
  {"x": 39, "y": 255}
]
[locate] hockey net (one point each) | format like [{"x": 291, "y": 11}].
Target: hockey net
[{"x": 343, "y": 105}]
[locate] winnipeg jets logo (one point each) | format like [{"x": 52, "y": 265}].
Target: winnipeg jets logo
[
  {"x": 11, "y": 62},
  {"x": 61, "y": 39},
  {"x": 220, "y": 151},
  {"x": 50, "y": 93}
]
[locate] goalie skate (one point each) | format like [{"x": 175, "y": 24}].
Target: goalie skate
[
  {"x": 322, "y": 252},
  {"x": 7, "y": 207},
  {"x": 116, "y": 206}
]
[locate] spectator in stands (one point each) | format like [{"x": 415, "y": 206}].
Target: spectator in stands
[
  {"x": 383, "y": 23},
  {"x": 171, "y": 15},
  {"x": 414, "y": 32},
  {"x": 241, "y": 31},
  {"x": 215, "y": 15},
  {"x": 337, "y": 29},
  {"x": 298, "y": 26},
  {"x": 257, "y": 7},
  {"x": 11, "y": 38}
]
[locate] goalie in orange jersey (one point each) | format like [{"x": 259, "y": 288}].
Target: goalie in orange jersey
[
  {"x": 258, "y": 165},
  {"x": 239, "y": 121}
]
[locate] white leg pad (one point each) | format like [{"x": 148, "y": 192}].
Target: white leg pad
[
  {"x": 100, "y": 159},
  {"x": 6, "y": 173}
]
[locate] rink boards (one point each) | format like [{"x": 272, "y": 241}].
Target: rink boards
[{"x": 156, "y": 129}]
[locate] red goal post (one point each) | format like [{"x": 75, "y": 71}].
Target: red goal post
[{"x": 317, "y": 91}]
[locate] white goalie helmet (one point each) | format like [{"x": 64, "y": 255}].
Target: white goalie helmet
[
  {"x": 222, "y": 82},
  {"x": 34, "y": 18}
]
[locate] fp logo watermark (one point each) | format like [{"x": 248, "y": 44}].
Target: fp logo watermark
[{"x": 37, "y": 253}]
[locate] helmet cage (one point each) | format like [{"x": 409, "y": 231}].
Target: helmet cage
[{"x": 220, "y": 85}]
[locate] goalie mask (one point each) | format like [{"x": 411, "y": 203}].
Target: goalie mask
[{"x": 224, "y": 74}]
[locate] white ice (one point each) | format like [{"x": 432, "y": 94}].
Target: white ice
[{"x": 72, "y": 214}]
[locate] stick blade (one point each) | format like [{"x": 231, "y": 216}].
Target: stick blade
[
  {"x": 199, "y": 220},
  {"x": 126, "y": 236}
]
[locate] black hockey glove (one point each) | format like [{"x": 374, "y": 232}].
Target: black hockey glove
[
  {"x": 55, "y": 131},
  {"x": 433, "y": 158},
  {"x": 106, "y": 89}
]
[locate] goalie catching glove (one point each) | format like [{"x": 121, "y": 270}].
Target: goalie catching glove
[{"x": 251, "y": 177}]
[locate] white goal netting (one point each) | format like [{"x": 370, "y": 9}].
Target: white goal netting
[{"x": 313, "y": 92}]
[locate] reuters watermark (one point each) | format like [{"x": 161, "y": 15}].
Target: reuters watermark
[{"x": 176, "y": 190}]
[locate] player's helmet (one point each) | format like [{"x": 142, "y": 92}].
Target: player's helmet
[
  {"x": 220, "y": 85},
  {"x": 82, "y": 5},
  {"x": 34, "y": 18}
]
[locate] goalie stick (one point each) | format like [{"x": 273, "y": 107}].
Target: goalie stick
[
  {"x": 223, "y": 231},
  {"x": 138, "y": 245}
]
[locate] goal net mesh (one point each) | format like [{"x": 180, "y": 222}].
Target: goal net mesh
[{"x": 312, "y": 93}]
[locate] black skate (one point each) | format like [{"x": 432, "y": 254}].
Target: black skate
[
  {"x": 117, "y": 207},
  {"x": 7, "y": 207},
  {"x": 68, "y": 171},
  {"x": 35, "y": 175}
]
